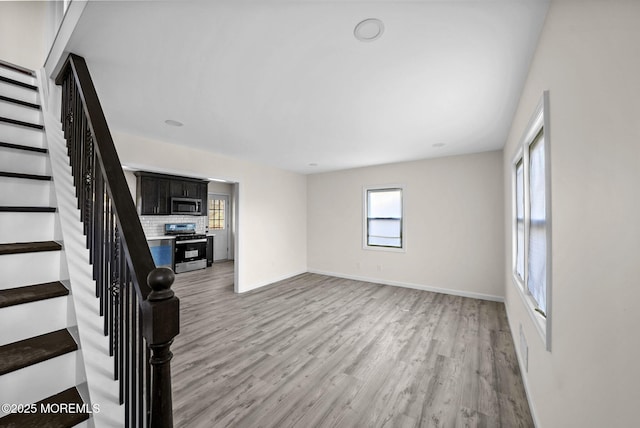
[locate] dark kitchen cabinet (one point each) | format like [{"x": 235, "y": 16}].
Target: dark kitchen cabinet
[
  {"x": 153, "y": 196},
  {"x": 156, "y": 190},
  {"x": 203, "y": 194},
  {"x": 185, "y": 189}
]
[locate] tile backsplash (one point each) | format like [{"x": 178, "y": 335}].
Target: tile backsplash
[{"x": 153, "y": 225}]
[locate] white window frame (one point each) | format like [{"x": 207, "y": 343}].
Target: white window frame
[
  {"x": 539, "y": 122},
  {"x": 403, "y": 222}
]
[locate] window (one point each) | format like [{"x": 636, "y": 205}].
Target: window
[
  {"x": 536, "y": 280},
  {"x": 383, "y": 226},
  {"x": 216, "y": 214},
  {"x": 531, "y": 221}
]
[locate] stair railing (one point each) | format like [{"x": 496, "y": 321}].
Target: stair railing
[{"x": 141, "y": 313}]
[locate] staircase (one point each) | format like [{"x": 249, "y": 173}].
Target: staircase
[{"x": 39, "y": 356}]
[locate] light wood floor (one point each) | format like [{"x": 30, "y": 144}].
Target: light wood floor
[{"x": 318, "y": 351}]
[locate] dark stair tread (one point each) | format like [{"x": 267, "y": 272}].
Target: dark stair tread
[
  {"x": 22, "y": 123},
  {"x": 18, "y": 355},
  {"x": 20, "y": 102},
  {"x": 28, "y": 209},
  {"x": 32, "y": 293},
  {"x": 23, "y": 147},
  {"x": 50, "y": 419},
  {"x": 29, "y": 247},
  {"x": 18, "y": 83},
  {"x": 25, "y": 176}
]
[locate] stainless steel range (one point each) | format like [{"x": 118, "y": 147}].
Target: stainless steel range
[{"x": 190, "y": 247}]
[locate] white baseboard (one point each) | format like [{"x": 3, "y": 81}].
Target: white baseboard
[{"x": 414, "y": 286}]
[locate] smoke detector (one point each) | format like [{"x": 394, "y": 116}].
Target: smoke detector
[{"x": 369, "y": 30}]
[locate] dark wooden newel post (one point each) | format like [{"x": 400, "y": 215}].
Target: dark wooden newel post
[{"x": 161, "y": 323}]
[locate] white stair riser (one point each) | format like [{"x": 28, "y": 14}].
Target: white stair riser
[
  {"x": 20, "y": 77},
  {"x": 34, "y": 383},
  {"x": 26, "y": 162},
  {"x": 21, "y": 135},
  {"x": 25, "y": 192},
  {"x": 30, "y": 268},
  {"x": 33, "y": 319},
  {"x": 18, "y": 92},
  {"x": 27, "y": 227},
  {"x": 19, "y": 112}
]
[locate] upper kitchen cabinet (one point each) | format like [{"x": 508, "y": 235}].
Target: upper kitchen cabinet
[
  {"x": 185, "y": 189},
  {"x": 155, "y": 192},
  {"x": 154, "y": 195}
]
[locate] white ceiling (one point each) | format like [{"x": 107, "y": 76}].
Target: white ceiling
[{"x": 286, "y": 83}]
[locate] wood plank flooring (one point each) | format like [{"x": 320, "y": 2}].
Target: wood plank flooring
[{"x": 318, "y": 351}]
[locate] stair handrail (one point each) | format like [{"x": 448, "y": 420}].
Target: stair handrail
[{"x": 107, "y": 206}]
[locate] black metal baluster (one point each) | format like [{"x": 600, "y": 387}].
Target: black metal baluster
[
  {"x": 127, "y": 353},
  {"x": 67, "y": 117},
  {"x": 140, "y": 370},
  {"x": 133, "y": 407},
  {"x": 116, "y": 281},
  {"x": 108, "y": 263},
  {"x": 74, "y": 136},
  {"x": 105, "y": 251},
  {"x": 122, "y": 271},
  {"x": 87, "y": 184},
  {"x": 80, "y": 124},
  {"x": 117, "y": 334},
  {"x": 147, "y": 382},
  {"x": 91, "y": 200},
  {"x": 121, "y": 344},
  {"x": 63, "y": 105},
  {"x": 98, "y": 233},
  {"x": 80, "y": 163}
]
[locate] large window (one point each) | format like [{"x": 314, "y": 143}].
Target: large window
[
  {"x": 531, "y": 221},
  {"x": 383, "y": 222}
]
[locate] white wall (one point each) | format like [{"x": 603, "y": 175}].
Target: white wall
[
  {"x": 272, "y": 224},
  {"x": 589, "y": 59},
  {"x": 220, "y": 188},
  {"x": 454, "y": 225},
  {"x": 22, "y": 31}
]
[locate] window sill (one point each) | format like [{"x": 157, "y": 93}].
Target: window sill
[{"x": 386, "y": 249}]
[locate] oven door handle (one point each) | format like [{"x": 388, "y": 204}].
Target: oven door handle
[{"x": 192, "y": 241}]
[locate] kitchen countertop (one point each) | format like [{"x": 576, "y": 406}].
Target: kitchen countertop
[{"x": 156, "y": 238}]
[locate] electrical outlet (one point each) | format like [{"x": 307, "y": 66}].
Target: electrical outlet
[
  {"x": 379, "y": 268},
  {"x": 524, "y": 350}
]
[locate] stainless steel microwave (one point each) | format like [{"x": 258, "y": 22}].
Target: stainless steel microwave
[{"x": 186, "y": 206}]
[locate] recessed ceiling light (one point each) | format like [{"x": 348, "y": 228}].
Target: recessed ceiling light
[
  {"x": 172, "y": 122},
  {"x": 369, "y": 30}
]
